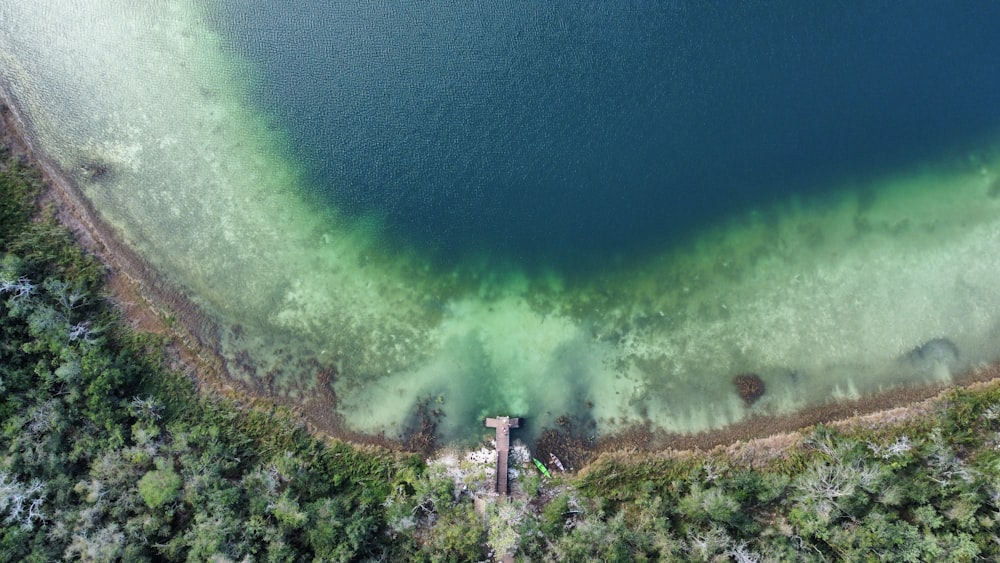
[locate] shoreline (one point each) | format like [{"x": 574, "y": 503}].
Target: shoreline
[{"x": 150, "y": 304}]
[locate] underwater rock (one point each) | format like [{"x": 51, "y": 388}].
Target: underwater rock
[
  {"x": 95, "y": 170},
  {"x": 750, "y": 387},
  {"x": 932, "y": 356}
]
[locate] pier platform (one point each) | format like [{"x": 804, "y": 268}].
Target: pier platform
[{"x": 503, "y": 424}]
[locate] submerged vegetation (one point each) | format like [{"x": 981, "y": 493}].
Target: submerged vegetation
[{"x": 106, "y": 454}]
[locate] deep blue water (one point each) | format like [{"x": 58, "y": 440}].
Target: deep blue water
[{"x": 563, "y": 132}]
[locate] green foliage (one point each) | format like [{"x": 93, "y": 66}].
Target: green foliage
[
  {"x": 458, "y": 535},
  {"x": 556, "y": 515},
  {"x": 531, "y": 483},
  {"x": 597, "y": 539},
  {"x": 159, "y": 486},
  {"x": 621, "y": 480},
  {"x": 19, "y": 186},
  {"x": 339, "y": 531}
]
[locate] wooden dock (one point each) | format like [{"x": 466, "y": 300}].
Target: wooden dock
[{"x": 503, "y": 424}]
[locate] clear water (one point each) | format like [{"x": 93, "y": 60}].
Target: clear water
[
  {"x": 560, "y": 134},
  {"x": 606, "y": 211}
]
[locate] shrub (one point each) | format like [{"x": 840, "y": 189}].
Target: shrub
[{"x": 159, "y": 487}]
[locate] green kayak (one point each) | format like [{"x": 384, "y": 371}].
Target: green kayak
[{"x": 541, "y": 467}]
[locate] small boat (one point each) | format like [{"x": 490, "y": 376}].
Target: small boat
[
  {"x": 555, "y": 460},
  {"x": 541, "y": 467}
]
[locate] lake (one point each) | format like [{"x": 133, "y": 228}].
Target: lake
[{"x": 601, "y": 211}]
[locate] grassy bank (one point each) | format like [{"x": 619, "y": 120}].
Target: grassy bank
[{"x": 105, "y": 454}]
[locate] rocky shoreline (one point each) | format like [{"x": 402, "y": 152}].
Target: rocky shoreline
[{"x": 150, "y": 304}]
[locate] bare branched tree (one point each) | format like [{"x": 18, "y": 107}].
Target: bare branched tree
[{"x": 21, "y": 502}]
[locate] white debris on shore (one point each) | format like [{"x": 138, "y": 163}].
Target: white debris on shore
[{"x": 474, "y": 471}]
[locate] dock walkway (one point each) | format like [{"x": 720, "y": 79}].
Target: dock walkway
[{"x": 503, "y": 424}]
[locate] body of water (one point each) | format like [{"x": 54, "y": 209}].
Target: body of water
[
  {"x": 585, "y": 209},
  {"x": 562, "y": 132}
]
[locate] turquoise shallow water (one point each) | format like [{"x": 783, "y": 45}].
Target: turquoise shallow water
[{"x": 400, "y": 204}]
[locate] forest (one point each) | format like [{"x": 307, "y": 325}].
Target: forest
[{"x": 106, "y": 454}]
